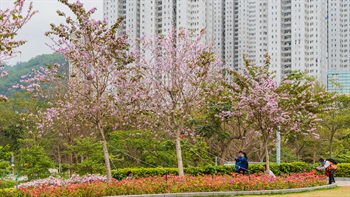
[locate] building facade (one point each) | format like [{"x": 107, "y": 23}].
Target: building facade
[
  {"x": 339, "y": 35},
  {"x": 338, "y": 81},
  {"x": 306, "y": 35}
]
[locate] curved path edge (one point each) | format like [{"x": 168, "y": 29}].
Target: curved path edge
[{"x": 234, "y": 193}]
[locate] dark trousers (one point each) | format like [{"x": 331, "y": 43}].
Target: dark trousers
[{"x": 331, "y": 177}]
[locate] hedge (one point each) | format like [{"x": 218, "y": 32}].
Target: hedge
[
  {"x": 12, "y": 192},
  {"x": 8, "y": 184},
  {"x": 284, "y": 168},
  {"x": 343, "y": 170}
]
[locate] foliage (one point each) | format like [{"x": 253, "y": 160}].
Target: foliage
[
  {"x": 12, "y": 192},
  {"x": 5, "y": 158},
  {"x": 33, "y": 162},
  {"x": 343, "y": 170},
  {"x": 11, "y": 20},
  {"x": 222, "y": 124},
  {"x": 289, "y": 107},
  {"x": 335, "y": 120},
  {"x": 52, "y": 181},
  {"x": 148, "y": 149},
  {"x": 284, "y": 168},
  {"x": 176, "y": 69},
  {"x": 13, "y": 119},
  {"x": 98, "y": 59},
  {"x": 343, "y": 148},
  {"x": 8, "y": 183},
  {"x": 176, "y": 184},
  {"x": 171, "y": 98},
  {"x": 20, "y": 69},
  {"x": 89, "y": 151}
]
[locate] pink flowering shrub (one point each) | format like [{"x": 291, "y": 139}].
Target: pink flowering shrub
[
  {"x": 52, "y": 181},
  {"x": 175, "y": 184}
]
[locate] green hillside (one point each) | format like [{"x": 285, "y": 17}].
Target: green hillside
[{"x": 15, "y": 72}]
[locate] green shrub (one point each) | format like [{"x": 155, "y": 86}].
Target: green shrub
[
  {"x": 343, "y": 170},
  {"x": 284, "y": 168},
  {"x": 12, "y": 192},
  {"x": 144, "y": 172},
  {"x": 7, "y": 184}
]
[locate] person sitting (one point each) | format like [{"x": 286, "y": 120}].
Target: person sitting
[
  {"x": 129, "y": 175},
  {"x": 241, "y": 163},
  {"x": 269, "y": 173}
]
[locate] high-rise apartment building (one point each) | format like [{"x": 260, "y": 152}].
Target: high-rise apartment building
[
  {"x": 307, "y": 35},
  {"x": 338, "y": 46},
  {"x": 292, "y": 32},
  {"x": 339, "y": 34}
]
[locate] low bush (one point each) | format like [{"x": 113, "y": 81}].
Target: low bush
[
  {"x": 7, "y": 184},
  {"x": 284, "y": 168},
  {"x": 12, "y": 192},
  {"x": 52, "y": 181},
  {"x": 343, "y": 170},
  {"x": 175, "y": 184}
]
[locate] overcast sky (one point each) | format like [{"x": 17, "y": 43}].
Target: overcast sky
[{"x": 34, "y": 30}]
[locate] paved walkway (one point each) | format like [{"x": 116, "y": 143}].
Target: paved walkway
[
  {"x": 344, "y": 182},
  {"x": 337, "y": 192}
]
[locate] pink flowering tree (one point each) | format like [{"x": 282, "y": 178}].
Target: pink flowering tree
[
  {"x": 223, "y": 123},
  {"x": 12, "y": 20},
  {"x": 62, "y": 123},
  {"x": 61, "y": 120},
  {"x": 100, "y": 81},
  {"x": 289, "y": 107},
  {"x": 177, "y": 68},
  {"x": 305, "y": 101},
  {"x": 259, "y": 100}
]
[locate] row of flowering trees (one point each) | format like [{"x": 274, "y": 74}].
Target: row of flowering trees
[{"x": 164, "y": 86}]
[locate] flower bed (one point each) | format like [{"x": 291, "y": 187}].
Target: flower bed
[
  {"x": 52, "y": 181},
  {"x": 174, "y": 184},
  {"x": 283, "y": 168}
]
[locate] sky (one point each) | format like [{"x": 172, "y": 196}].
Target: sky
[{"x": 34, "y": 30}]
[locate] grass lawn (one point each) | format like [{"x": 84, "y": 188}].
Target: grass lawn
[{"x": 337, "y": 192}]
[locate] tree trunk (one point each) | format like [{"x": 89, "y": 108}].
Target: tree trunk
[
  {"x": 297, "y": 150},
  {"x": 261, "y": 152},
  {"x": 105, "y": 153},
  {"x": 70, "y": 164},
  {"x": 223, "y": 155},
  {"x": 267, "y": 155},
  {"x": 331, "y": 145},
  {"x": 314, "y": 157},
  {"x": 59, "y": 161},
  {"x": 261, "y": 157},
  {"x": 179, "y": 155}
]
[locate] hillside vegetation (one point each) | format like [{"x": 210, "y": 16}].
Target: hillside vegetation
[{"x": 22, "y": 68}]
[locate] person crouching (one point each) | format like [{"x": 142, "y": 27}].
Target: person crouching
[{"x": 330, "y": 166}]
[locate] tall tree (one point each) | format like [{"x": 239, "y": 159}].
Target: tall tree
[
  {"x": 336, "y": 118},
  {"x": 177, "y": 68},
  {"x": 223, "y": 124},
  {"x": 99, "y": 78},
  {"x": 11, "y": 20},
  {"x": 290, "y": 106},
  {"x": 259, "y": 99},
  {"x": 307, "y": 99}
]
